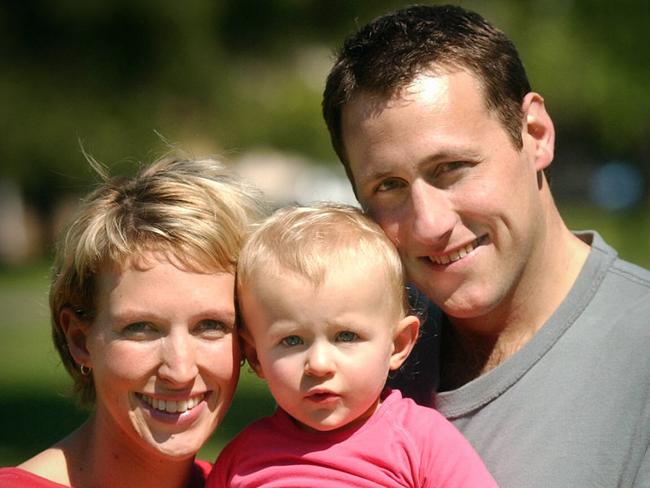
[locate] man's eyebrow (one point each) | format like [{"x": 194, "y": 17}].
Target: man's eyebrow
[
  {"x": 376, "y": 174},
  {"x": 450, "y": 154}
]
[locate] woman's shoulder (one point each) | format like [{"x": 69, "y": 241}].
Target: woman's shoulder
[
  {"x": 48, "y": 467},
  {"x": 22, "y": 478}
]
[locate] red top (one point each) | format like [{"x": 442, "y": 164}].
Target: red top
[
  {"x": 19, "y": 478},
  {"x": 401, "y": 445}
]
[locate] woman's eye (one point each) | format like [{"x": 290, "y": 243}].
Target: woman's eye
[
  {"x": 211, "y": 328},
  {"x": 346, "y": 336},
  {"x": 139, "y": 330},
  {"x": 292, "y": 341}
]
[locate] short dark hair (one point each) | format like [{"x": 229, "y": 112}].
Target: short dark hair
[{"x": 388, "y": 53}]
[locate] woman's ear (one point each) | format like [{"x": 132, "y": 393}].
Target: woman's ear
[
  {"x": 538, "y": 130},
  {"x": 76, "y": 335},
  {"x": 404, "y": 339},
  {"x": 248, "y": 346}
]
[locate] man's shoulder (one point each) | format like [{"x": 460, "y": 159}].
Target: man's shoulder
[
  {"x": 619, "y": 273},
  {"x": 632, "y": 272},
  {"x": 620, "y": 302}
]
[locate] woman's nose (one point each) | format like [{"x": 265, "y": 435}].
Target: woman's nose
[{"x": 178, "y": 358}]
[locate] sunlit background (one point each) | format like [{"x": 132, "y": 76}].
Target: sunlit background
[{"x": 242, "y": 80}]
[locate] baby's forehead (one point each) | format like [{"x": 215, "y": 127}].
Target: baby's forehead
[
  {"x": 345, "y": 295},
  {"x": 355, "y": 281},
  {"x": 320, "y": 271}
]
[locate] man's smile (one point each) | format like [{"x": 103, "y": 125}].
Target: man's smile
[{"x": 458, "y": 253}]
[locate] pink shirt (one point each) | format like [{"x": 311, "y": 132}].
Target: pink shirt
[{"x": 402, "y": 445}]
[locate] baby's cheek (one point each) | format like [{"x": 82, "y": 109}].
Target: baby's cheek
[{"x": 283, "y": 373}]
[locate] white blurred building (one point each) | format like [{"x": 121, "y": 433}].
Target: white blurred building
[{"x": 288, "y": 179}]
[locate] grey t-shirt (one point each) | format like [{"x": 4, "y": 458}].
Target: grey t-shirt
[{"x": 572, "y": 407}]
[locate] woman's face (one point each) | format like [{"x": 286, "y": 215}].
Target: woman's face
[{"x": 164, "y": 355}]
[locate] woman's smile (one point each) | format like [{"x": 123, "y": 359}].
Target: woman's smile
[{"x": 179, "y": 413}]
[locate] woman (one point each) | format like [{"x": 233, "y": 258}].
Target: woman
[{"x": 143, "y": 317}]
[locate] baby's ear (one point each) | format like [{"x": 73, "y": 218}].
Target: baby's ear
[
  {"x": 250, "y": 353},
  {"x": 76, "y": 330},
  {"x": 406, "y": 334}
]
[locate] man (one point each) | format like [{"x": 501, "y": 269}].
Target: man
[{"x": 545, "y": 350}]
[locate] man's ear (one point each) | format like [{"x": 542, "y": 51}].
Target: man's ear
[
  {"x": 404, "y": 339},
  {"x": 76, "y": 331},
  {"x": 250, "y": 352},
  {"x": 538, "y": 130}
]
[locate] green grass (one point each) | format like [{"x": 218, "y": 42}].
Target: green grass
[{"x": 35, "y": 390}]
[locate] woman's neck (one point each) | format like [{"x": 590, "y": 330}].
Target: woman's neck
[{"x": 96, "y": 456}]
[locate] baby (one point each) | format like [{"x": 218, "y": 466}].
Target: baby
[{"x": 324, "y": 321}]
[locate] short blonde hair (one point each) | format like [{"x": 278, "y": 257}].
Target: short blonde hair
[
  {"x": 192, "y": 210},
  {"x": 309, "y": 240}
]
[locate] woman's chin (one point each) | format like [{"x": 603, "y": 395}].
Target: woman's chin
[
  {"x": 176, "y": 447},
  {"x": 176, "y": 436}
]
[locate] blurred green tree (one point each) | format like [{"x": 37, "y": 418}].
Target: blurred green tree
[{"x": 224, "y": 77}]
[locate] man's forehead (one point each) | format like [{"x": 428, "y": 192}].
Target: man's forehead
[{"x": 434, "y": 90}]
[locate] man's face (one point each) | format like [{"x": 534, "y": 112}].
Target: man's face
[{"x": 437, "y": 170}]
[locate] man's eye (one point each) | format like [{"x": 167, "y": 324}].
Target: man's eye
[
  {"x": 389, "y": 184},
  {"x": 292, "y": 341},
  {"x": 211, "y": 328},
  {"x": 450, "y": 169},
  {"x": 346, "y": 336},
  {"x": 447, "y": 167}
]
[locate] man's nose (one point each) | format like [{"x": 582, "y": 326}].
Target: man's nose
[{"x": 433, "y": 218}]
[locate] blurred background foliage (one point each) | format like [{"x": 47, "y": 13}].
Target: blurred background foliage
[
  {"x": 230, "y": 76},
  {"x": 127, "y": 78}
]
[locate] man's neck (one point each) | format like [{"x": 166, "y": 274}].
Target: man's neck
[
  {"x": 473, "y": 347},
  {"x": 466, "y": 356}
]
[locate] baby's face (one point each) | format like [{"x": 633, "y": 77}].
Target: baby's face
[{"x": 325, "y": 352}]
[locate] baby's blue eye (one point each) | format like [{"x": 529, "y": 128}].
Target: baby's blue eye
[
  {"x": 346, "y": 336},
  {"x": 292, "y": 341}
]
